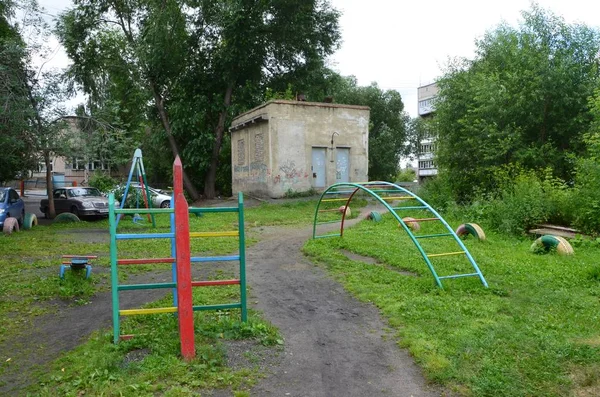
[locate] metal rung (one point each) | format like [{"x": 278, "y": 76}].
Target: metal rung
[
  {"x": 213, "y": 283},
  {"x": 446, "y": 254},
  {"x": 158, "y": 310},
  {"x": 324, "y": 223},
  {"x": 233, "y": 233},
  {"x": 132, "y": 236},
  {"x": 434, "y": 235},
  {"x": 410, "y": 208},
  {"x": 335, "y": 199},
  {"x": 398, "y": 198},
  {"x": 340, "y": 192},
  {"x": 424, "y": 219},
  {"x": 129, "y": 287},
  {"x": 218, "y": 307},
  {"x": 329, "y": 235},
  {"x": 214, "y": 258},
  {"x": 460, "y": 275}
]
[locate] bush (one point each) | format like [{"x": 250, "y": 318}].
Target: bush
[
  {"x": 437, "y": 192},
  {"x": 102, "y": 182},
  {"x": 586, "y": 197},
  {"x": 134, "y": 197}
]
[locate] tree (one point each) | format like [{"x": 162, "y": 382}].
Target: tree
[
  {"x": 16, "y": 112},
  {"x": 387, "y": 125},
  {"x": 522, "y": 100},
  {"x": 198, "y": 62}
]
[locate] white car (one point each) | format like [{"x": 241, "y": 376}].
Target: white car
[{"x": 159, "y": 199}]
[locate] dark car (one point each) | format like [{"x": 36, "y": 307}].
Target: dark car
[
  {"x": 81, "y": 201},
  {"x": 11, "y": 205}
]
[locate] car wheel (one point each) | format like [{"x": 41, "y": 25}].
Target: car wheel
[
  {"x": 22, "y": 218},
  {"x": 74, "y": 211},
  {"x": 45, "y": 212},
  {"x": 165, "y": 204}
]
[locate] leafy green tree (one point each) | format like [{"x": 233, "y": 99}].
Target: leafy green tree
[
  {"x": 16, "y": 112},
  {"x": 198, "y": 62},
  {"x": 387, "y": 125},
  {"x": 522, "y": 100}
]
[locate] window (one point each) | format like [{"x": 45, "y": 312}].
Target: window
[
  {"x": 42, "y": 166},
  {"x": 97, "y": 165},
  {"x": 78, "y": 163},
  {"x": 241, "y": 149},
  {"x": 427, "y": 148},
  {"x": 426, "y": 164},
  {"x": 259, "y": 147}
]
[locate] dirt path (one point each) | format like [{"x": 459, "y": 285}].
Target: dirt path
[{"x": 334, "y": 345}]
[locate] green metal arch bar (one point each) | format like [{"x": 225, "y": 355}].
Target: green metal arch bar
[{"x": 363, "y": 187}]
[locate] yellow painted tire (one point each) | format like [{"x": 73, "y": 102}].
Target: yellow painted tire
[
  {"x": 412, "y": 223},
  {"x": 10, "y": 225},
  {"x": 548, "y": 242},
  {"x": 473, "y": 229},
  {"x": 347, "y": 209}
]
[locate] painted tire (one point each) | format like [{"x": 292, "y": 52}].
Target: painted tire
[
  {"x": 548, "y": 242},
  {"x": 411, "y": 223},
  {"x": 374, "y": 216},
  {"x": 30, "y": 221},
  {"x": 347, "y": 209},
  {"x": 10, "y": 225},
  {"x": 470, "y": 228},
  {"x": 66, "y": 217}
]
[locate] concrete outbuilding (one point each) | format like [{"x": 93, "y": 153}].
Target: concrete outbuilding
[{"x": 286, "y": 147}]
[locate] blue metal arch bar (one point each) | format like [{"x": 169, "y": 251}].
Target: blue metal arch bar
[{"x": 368, "y": 188}]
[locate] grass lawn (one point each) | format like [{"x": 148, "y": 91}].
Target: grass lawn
[
  {"x": 29, "y": 271},
  {"x": 534, "y": 332}
]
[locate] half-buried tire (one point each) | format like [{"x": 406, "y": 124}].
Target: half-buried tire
[
  {"x": 472, "y": 229},
  {"x": 10, "y": 225},
  {"x": 548, "y": 242},
  {"x": 411, "y": 223},
  {"x": 29, "y": 221},
  {"x": 66, "y": 217},
  {"x": 374, "y": 216}
]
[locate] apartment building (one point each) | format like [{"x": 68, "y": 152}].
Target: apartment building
[{"x": 426, "y": 107}]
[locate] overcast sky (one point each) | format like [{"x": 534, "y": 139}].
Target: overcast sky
[{"x": 404, "y": 44}]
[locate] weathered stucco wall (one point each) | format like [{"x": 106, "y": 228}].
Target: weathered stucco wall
[{"x": 288, "y": 132}]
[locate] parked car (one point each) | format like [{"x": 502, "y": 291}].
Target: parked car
[
  {"x": 11, "y": 205},
  {"x": 159, "y": 198},
  {"x": 81, "y": 201}
]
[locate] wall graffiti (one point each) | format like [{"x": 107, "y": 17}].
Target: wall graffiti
[{"x": 289, "y": 175}]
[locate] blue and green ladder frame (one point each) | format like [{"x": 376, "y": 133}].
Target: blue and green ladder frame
[{"x": 386, "y": 191}]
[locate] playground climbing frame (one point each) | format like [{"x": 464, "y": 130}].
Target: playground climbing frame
[
  {"x": 384, "y": 193},
  {"x": 180, "y": 260}
]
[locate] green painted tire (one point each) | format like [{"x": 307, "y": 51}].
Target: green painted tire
[
  {"x": 470, "y": 228},
  {"x": 374, "y": 216},
  {"x": 10, "y": 225},
  {"x": 66, "y": 217},
  {"x": 548, "y": 242},
  {"x": 29, "y": 221}
]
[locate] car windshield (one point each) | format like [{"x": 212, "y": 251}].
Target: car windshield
[
  {"x": 84, "y": 191},
  {"x": 3, "y": 195}
]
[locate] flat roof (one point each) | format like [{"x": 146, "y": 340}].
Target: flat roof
[{"x": 300, "y": 103}]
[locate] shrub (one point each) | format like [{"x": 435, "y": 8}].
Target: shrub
[
  {"x": 586, "y": 197},
  {"x": 518, "y": 206},
  {"x": 134, "y": 197},
  {"x": 102, "y": 182}
]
